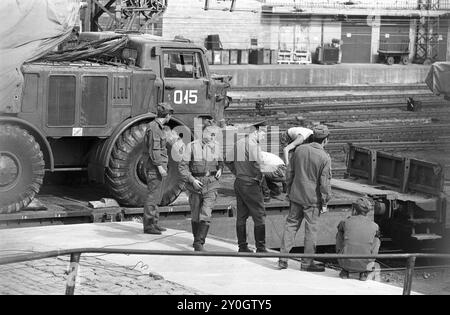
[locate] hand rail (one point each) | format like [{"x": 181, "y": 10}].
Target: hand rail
[{"x": 75, "y": 255}]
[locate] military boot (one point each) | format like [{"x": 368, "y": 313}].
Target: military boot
[
  {"x": 194, "y": 226},
  {"x": 203, "y": 229},
  {"x": 241, "y": 232},
  {"x": 158, "y": 227},
  {"x": 197, "y": 244},
  {"x": 149, "y": 227},
  {"x": 260, "y": 238},
  {"x": 148, "y": 221}
]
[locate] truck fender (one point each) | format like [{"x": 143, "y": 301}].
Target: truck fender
[
  {"x": 38, "y": 136},
  {"x": 99, "y": 159}
]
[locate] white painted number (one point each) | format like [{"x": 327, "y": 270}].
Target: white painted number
[{"x": 190, "y": 97}]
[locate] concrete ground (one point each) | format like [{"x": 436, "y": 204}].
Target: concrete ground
[{"x": 192, "y": 275}]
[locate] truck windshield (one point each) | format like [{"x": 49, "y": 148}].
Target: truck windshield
[{"x": 183, "y": 65}]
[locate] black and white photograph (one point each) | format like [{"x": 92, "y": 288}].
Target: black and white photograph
[{"x": 221, "y": 154}]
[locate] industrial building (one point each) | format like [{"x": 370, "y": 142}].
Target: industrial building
[{"x": 418, "y": 27}]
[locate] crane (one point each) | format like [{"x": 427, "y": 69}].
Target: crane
[{"x": 127, "y": 15}]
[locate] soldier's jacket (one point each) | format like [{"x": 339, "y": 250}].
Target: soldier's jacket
[
  {"x": 309, "y": 176},
  {"x": 358, "y": 235},
  {"x": 246, "y": 165},
  {"x": 199, "y": 158},
  {"x": 156, "y": 144}
]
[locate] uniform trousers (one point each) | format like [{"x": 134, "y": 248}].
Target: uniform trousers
[
  {"x": 294, "y": 220},
  {"x": 155, "y": 184},
  {"x": 250, "y": 202}
]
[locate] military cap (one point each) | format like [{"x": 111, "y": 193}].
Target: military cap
[
  {"x": 362, "y": 205},
  {"x": 207, "y": 120},
  {"x": 257, "y": 124},
  {"x": 321, "y": 132},
  {"x": 164, "y": 109}
]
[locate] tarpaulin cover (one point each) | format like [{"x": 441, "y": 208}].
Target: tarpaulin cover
[
  {"x": 438, "y": 79},
  {"x": 28, "y": 30}
]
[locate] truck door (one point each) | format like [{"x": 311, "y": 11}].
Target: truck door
[{"x": 186, "y": 85}]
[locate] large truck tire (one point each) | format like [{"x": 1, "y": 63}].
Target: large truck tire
[
  {"x": 125, "y": 176},
  {"x": 22, "y": 168}
]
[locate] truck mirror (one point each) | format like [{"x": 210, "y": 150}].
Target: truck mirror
[
  {"x": 156, "y": 51},
  {"x": 197, "y": 74}
]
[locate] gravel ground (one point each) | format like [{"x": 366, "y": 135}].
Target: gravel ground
[
  {"x": 430, "y": 282},
  {"x": 95, "y": 277}
]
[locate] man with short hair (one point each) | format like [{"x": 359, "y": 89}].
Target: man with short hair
[
  {"x": 309, "y": 191},
  {"x": 201, "y": 168},
  {"x": 294, "y": 137},
  {"x": 247, "y": 187},
  {"x": 357, "y": 235},
  {"x": 156, "y": 167}
]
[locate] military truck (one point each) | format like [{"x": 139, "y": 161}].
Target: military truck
[{"x": 92, "y": 115}]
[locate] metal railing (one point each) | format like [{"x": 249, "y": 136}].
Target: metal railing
[{"x": 75, "y": 255}]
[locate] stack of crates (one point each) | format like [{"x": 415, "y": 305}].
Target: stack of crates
[
  {"x": 228, "y": 57},
  {"x": 302, "y": 57},
  {"x": 285, "y": 57},
  {"x": 260, "y": 56}
]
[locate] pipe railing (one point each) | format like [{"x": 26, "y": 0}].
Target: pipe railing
[{"x": 75, "y": 255}]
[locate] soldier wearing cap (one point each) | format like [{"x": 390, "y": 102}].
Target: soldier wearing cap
[
  {"x": 201, "y": 168},
  {"x": 247, "y": 187},
  {"x": 156, "y": 166},
  {"x": 309, "y": 191},
  {"x": 357, "y": 235}
]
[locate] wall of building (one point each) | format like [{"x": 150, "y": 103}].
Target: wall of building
[
  {"x": 188, "y": 18},
  {"x": 447, "y": 18}
]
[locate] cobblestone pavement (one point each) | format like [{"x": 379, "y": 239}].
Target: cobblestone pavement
[{"x": 95, "y": 277}]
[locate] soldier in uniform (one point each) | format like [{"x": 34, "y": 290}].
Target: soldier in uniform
[
  {"x": 309, "y": 191},
  {"x": 357, "y": 235},
  {"x": 247, "y": 187},
  {"x": 201, "y": 168},
  {"x": 156, "y": 167}
]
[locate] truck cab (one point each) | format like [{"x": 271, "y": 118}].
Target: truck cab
[
  {"x": 91, "y": 113},
  {"x": 182, "y": 74}
]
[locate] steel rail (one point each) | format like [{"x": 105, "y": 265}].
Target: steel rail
[
  {"x": 401, "y": 87},
  {"x": 331, "y": 98},
  {"x": 75, "y": 255},
  {"x": 441, "y": 115},
  {"x": 331, "y": 104}
]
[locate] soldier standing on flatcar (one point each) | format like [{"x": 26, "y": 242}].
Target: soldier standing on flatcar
[
  {"x": 309, "y": 191},
  {"x": 247, "y": 187},
  {"x": 201, "y": 168},
  {"x": 156, "y": 167}
]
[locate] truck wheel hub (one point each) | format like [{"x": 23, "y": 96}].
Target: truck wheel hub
[{"x": 9, "y": 170}]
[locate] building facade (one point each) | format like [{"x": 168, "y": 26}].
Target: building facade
[{"x": 420, "y": 27}]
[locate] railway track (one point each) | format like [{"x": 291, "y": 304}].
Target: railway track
[
  {"x": 424, "y": 136},
  {"x": 243, "y": 102},
  {"x": 248, "y": 106},
  {"x": 398, "y": 87},
  {"x": 434, "y": 114}
]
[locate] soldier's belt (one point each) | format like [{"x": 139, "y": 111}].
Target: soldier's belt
[{"x": 205, "y": 174}]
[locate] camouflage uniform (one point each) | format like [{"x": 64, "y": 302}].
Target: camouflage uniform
[
  {"x": 156, "y": 145},
  {"x": 201, "y": 161}
]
